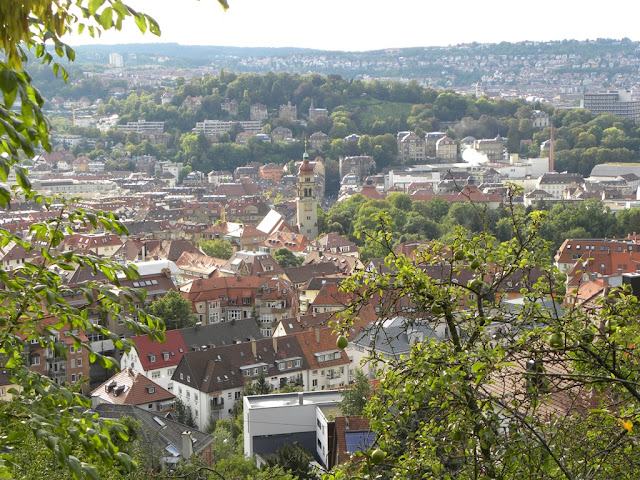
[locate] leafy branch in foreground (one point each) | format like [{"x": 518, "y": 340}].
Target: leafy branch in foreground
[{"x": 534, "y": 388}]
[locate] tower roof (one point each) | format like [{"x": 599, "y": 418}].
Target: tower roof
[{"x": 306, "y": 167}]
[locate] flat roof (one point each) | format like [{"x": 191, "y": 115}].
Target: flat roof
[{"x": 295, "y": 398}]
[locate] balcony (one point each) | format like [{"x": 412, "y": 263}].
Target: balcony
[
  {"x": 61, "y": 372},
  {"x": 217, "y": 403}
]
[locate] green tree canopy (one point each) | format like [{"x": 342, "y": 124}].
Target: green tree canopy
[
  {"x": 174, "y": 310},
  {"x": 286, "y": 258},
  {"x": 217, "y": 248}
]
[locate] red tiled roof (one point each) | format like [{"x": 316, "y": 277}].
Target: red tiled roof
[{"x": 173, "y": 345}]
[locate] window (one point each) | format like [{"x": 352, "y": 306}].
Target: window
[
  {"x": 73, "y": 363},
  {"x": 165, "y": 356},
  {"x": 152, "y": 358},
  {"x": 188, "y": 394},
  {"x": 73, "y": 378},
  {"x": 188, "y": 378},
  {"x": 281, "y": 366},
  {"x": 170, "y": 371},
  {"x": 315, "y": 372},
  {"x": 155, "y": 374},
  {"x": 79, "y": 362},
  {"x": 298, "y": 363},
  {"x": 337, "y": 356},
  {"x": 2, "y": 392},
  {"x": 214, "y": 317},
  {"x": 195, "y": 399},
  {"x": 246, "y": 301},
  {"x": 181, "y": 376},
  {"x": 170, "y": 387},
  {"x": 237, "y": 395},
  {"x": 235, "y": 314},
  {"x": 314, "y": 383}
]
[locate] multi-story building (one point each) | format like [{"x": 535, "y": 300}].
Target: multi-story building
[
  {"x": 616, "y": 102},
  {"x": 211, "y": 381},
  {"x": 319, "y": 140},
  {"x": 288, "y": 111},
  {"x": 540, "y": 119},
  {"x": 230, "y": 299},
  {"x": 116, "y": 60},
  {"x": 216, "y": 127},
  {"x": 230, "y": 106},
  {"x": 556, "y": 183},
  {"x": 360, "y": 166},
  {"x": 493, "y": 148},
  {"x": 315, "y": 113},
  {"x": 141, "y": 126},
  {"x": 281, "y": 134},
  {"x": 258, "y": 112},
  {"x": 410, "y": 147},
  {"x": 430, "y": 143},
  {"x": 446, "y": 149}
]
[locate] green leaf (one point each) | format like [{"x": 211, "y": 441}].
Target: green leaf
[
  {"x": 94, "y": 5},
  {"x": 477, "y": 366},
  {"x": 141, "y": 22},
  {"x": 106, "y": 18},
  {"x": 74, "y": 466}
]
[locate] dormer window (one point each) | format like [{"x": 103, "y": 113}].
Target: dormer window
[
  {"x": 151, "y": 389},
  {"x": 152, "y": 358},
  {"x": 165, "y": 356}
]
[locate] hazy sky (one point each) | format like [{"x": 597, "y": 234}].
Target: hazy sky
[{"x": 375, "y": 24}]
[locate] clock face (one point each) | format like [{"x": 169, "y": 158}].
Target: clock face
[{"x": 307, "y": 206}]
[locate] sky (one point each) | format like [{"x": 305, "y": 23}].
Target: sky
[{"x": 359, "y": 25}]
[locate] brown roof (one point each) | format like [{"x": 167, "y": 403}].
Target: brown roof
[{"x": 131, "y": 388}]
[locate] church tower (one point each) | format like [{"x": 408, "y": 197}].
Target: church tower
[{"x": 306, "y": 202}]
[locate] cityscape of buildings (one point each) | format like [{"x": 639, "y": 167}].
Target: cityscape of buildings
[{"x": 256, "y": 320}]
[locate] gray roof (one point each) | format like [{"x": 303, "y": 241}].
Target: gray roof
[
  {"x": 304, "y": 273},
  {"x": 218, "y": 334},
  {"x": 615, "y": 169},
  {"x": 155, "y": 429},
  {"x": 392, "y": 336}
]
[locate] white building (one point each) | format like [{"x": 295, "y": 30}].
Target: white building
[
  {"x": 271, "y": 421},
  {"x": 116, "y": 60}
]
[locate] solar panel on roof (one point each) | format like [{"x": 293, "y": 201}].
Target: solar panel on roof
[{"x": 359, "y": 441}]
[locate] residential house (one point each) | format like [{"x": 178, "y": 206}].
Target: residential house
[
  {"x": 211, "y": 381},
  {"x": 258, "y": 112},
  {"x": 446, "y": 149},
  {"x": 410, "y": 147},
  {"x": 335, "y": 243},
  {"x": 64, "y": 364},
  {"x": 162, "y": 437},
  {"x": 199, "y": 265},
  {"x": 360, "y": 165},
  {"x": 294, "y": 242},
  {"x": 319, "y": 140},
  {"x": 281, "y": 134},
  {"x": 129, "y": 387},
  {"x": 104, "y": 245},
  {"x": 13, "y": 256},
  {"x": 347, "y": 264},
  {"x": 229, "y": 299},
  {"x": 271, "y": 171},
  {"x": 230, "y": 106},
  {"x": 158, "y": 361}
]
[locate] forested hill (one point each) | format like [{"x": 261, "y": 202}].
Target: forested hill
[{"x": 460, "y": 64}]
